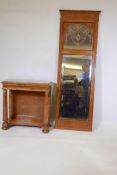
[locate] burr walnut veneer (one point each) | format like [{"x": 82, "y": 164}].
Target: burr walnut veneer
[{"x": 26, "y": 103}]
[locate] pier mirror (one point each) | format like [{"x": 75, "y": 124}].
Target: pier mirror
[{"x": 76, "y": 69}]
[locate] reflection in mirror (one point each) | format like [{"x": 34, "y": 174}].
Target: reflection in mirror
[
  {"x": 78, "y": 36},
  {"x": 75, "y": 86}
]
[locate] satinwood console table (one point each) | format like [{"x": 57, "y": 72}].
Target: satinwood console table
[{"x": 26, "y": 103}]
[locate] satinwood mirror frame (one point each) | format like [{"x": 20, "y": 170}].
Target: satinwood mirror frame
[{"x": 68, "y": 46}]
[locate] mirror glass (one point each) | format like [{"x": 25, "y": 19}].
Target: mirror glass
[
  {"x": 75, "y": 86},
  {"x": 78, "y": 36}
]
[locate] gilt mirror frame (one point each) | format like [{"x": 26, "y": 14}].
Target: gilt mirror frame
[{"x": 78, "y": 42}]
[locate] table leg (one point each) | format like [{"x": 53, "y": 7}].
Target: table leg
[
  {"x": 11, "y": 105},
  {"x": 5, "y": 113},
  {"x": 46, "y": 118}
]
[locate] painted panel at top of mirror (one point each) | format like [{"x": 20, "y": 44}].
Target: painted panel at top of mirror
[
  {"x": 75, "y": 87},
  {"x": 78, "y": 36}
]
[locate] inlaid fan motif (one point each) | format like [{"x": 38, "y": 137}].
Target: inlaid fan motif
[{"x": 78, "y": 36}]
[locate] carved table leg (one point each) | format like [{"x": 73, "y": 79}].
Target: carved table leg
[
  {"x": 46, "y": 113},
  {"x": 5, "y": 114}
]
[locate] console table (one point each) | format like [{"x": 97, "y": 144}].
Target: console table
[{"x": 26, "y": 103}]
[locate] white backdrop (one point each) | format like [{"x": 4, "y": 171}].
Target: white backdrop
[{"x": 29, "y": 43}]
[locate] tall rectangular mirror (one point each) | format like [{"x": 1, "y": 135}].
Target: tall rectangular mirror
[
  {"x": 75, "y": 86},
  {"x": 76, "y": 69}
]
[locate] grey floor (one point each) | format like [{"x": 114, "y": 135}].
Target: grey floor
[{"x": 27, "y": 151}]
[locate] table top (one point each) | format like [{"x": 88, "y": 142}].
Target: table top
[
  {"x": 22, "y": 84},
  {"x": 26, "y": 81}
]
